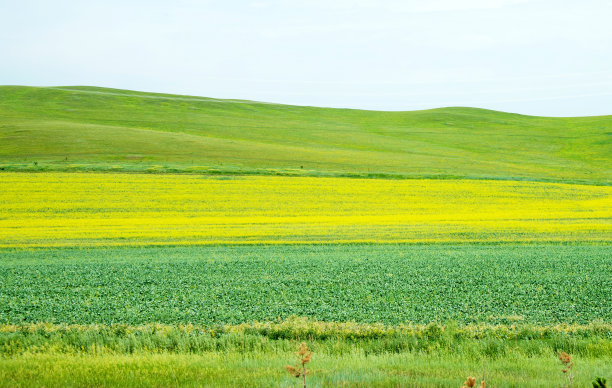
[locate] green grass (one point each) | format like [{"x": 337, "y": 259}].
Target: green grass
[
  {"x": 469, "y": 341},
  {"x": 87, "y": 128},
  {"x": 392, "y": 284},
  {"x": 267, "y": 370},
  {"x": 254, "y": 355}
]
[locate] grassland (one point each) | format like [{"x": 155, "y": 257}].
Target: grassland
[
  {"x": 255, "y": 354},
  {"x": 249, "y": 369},
  {"x": 85, "y": 128},
  {"x": 64, "y": 209}
]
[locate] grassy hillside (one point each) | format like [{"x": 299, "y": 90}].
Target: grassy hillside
[{"x": 85, "y": 128}]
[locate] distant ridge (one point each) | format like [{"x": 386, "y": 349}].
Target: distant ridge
[{"x": 93, "y": 128}]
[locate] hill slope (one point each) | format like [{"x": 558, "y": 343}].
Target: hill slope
[{"x": 99, "y": 128}]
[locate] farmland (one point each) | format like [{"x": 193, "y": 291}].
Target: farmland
[
  {"x": 377, "y": 314},
  {"x": 162, "y": 240},
  {"x": 134, "y": 209},
  {"x": 390, "y": 284}
]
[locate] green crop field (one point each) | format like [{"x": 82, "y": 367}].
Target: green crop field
[
  {"x": 118, "y": 269},
  {"x": 391, "y": 284}
]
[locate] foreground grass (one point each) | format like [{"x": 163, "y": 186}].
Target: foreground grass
[
  {"x": 267, "y": 370},
  {"x": 64, "y": 209},
  {"x": 346, "y": 354},
  {"x": 392, "y": 284},
  {"x": 85, "y": 128}
]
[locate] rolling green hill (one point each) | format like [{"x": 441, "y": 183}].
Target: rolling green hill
[{"x": 89, "y": 128}]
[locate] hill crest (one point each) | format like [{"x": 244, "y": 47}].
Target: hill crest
[{"x": 83, "y": 127}]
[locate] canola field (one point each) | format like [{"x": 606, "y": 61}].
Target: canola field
[{"x": 107, "y": 209}]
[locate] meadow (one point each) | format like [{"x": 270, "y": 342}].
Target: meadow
[
  {"x": 255, "y": 354},
  {"x": 160, "y": 240},
  {"x": 247, "y": 369},
  {"x": 79, "y": 128}
]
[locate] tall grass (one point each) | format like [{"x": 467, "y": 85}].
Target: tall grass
[{"x": 470, "y": 342}]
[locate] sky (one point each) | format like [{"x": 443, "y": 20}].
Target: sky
[{"x": 537, "y": 57}]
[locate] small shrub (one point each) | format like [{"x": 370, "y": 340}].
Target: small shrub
[
  {"x": 568, "y": 365},
  {"x": 304, "y": 355},
  {"x": 471, "y": 382}
]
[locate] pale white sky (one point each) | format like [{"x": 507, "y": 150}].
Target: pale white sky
[{"x": 542, "y": 57}]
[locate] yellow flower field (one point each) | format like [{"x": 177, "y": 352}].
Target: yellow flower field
[{"x": 64, "y": 209}]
